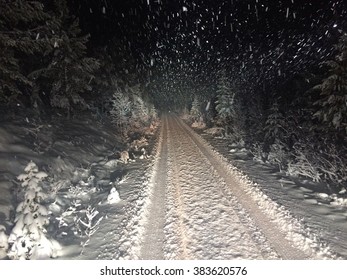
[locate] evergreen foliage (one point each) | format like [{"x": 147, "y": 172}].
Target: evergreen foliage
[
  {"x": 117, "y": 70},
  {"x": 275, "y": 125},
  {"x": 253, "y": 118},
  {"x": 28, "y": 238},
  {"x": 69, "y": 71},
  {"x": 225, "y": 99},
  {"x": 139, "y": 109},
  {"x": 121, "y": 110},
  {"x": 229, "y": 108},
  {"x": 195, "y": 110},
  {"x": 43, "y": 53},
  {"x": 22, "y": 25},
  {"x": 130, "y": 110},
  {"x": 332, "y": 105},
  {"x": 104, "y": 83}
]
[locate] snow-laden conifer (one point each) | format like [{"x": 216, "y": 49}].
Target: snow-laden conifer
[
  {"x": 22, "y": 33},
  {"x": 130, "y": 111},
  {"x": 275, "y": 124},
  {"x": 225, "y": 99},
  {"x": 139, "y": 109},
  {"x": 229, "y": 110},
  {"x": 28, "y": 238},
  {"x": 332, "y": 105},
  {"x": 121, "y": 110},
  {"x": 195, "y": 111}
]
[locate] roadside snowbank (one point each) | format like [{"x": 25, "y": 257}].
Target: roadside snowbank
[{"x": 81, "y": 158}]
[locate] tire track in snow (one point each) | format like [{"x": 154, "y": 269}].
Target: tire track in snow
[
  {"x": 201, "y": 207},
  {"x": 282, "y": 231},
  {"x": 154, "y": 237},
  {"x": 177, "y": 239},
  {"x": 202, "y": 222}
]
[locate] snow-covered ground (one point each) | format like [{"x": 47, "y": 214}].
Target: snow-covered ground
[
  {"x": 319, "y": 209},
  {"x": 185, "y": 201},
  {"x": 272, "y": 229},
  {"x": 91, "y": 190}
]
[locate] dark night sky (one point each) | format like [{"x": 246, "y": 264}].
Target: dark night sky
[{"x": 279, "y": 37}]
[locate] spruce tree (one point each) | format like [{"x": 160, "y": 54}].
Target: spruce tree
[
  {"x": 23, "y": 31},
  {"x": 121, "y": 111},
  {"x": 69, "y": 71},
  {"x": 195, "y": 110},
  {"x": 275, "y": 125},
  {"x": 225, "y": 103},
  {"x": 106, "y": 81},
  {"x": 139, "y": 109},
  {"x": 332, "y": 104}
]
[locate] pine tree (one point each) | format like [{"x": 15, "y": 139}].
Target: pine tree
[
  {"x": 41, "y": 45},
  {"x": 28, "y": 239},
  {"x": 332, "y": 105},
  {"x": 275, "y": 125},
  {"x": 68, "y": 69},
  {"x": 104, "y": 83},
  {"x": 130, "y": 110},
  {"x": 195, "y": 110},
  {"x": 22, "y": 29},
  {"x": 225, "y": 103},
  {"x": 225, "y": 98},
  {"x": 139, "y": 110},
  {"x": 121, "y": 111}
]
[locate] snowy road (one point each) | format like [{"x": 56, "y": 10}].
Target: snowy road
[{"x": 202, "y": 208}]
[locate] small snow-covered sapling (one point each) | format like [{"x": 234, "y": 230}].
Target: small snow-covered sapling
[
  {"x": 28, "y": 237},
  {"x": 87, "y": 225}
]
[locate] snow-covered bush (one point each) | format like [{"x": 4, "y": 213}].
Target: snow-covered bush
[
  {"x": 88, "y": 225},
  {"x": 3, "y": 242},
  {"x": 257, "y": 150},
  {"x": 28, "y": 238},
  {"x": 199, "y": 124},
  {"x": 320, "y": 164},
  {"x": 333, "y": 164},
  {"x": 301, "y": 166},
  {"x": 130, "y": 111},
  {"x": 138, "y": 144},
  {"x": 278, "y": 155},
  {"x": 215, "y": 131},
  {"x": 75, "y": 215}
]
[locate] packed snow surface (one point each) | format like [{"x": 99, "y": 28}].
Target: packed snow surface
[
  {"x": 213, "y": 211},
  {"x": 186, "y": 201}
]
